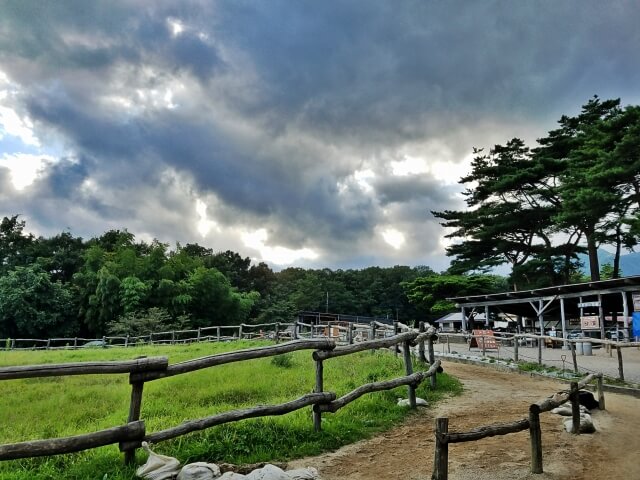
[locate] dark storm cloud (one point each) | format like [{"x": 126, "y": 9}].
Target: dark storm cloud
[{"x": 269, "y": 109}]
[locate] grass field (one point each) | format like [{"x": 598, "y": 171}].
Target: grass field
[{"x": 41, "y": 408}]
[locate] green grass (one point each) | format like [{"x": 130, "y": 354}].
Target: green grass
[{"x": 61, "y": 406}]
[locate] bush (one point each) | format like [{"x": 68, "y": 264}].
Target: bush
[{"x": 283, "y": 361}]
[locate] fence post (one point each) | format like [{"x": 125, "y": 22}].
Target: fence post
[
  {"x": 134, "y": 415},
  {"x": 441, "y": 452},
  {"x": 421, "y": 356},
  {"x": 408, "y": 368},
  {"x": 484, "y": 350},
  {"x": 173, "y": 337},
  {"x": 396, "y": 330},
  {"x": 600, "y": 393},
  {"x": 13, "y": 344},
  {"x": 151, "y": 338},
  {"x": 573, "y": 356},
  {"x": 295, "y": 330},
  {"x": 432, "y": 359},
  {"x": 240, "y": 332},
  {"x": 575, "y": 408},
  {"x": 448, "y": 345},
  {"x": 349, "y": 334},
  {"x": 75, "y": 343},
  {"x": 516, "y": 344},
  {"x": 535, "y": 435},
  {"x": 540, "y": 340},
  {"x": 218, "y": 333},
  {"x": 317, "y": 415},
  {"x": 277, "y": 332},
  {"x": 620, "y": 369},
  {"x": 199, "y": 334}
]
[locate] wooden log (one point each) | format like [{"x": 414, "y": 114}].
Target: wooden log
[
  {"x": 57, "y": 446},
  {"x": 421, "y": 356},
  {"x": 84, "y": 368},
  {"x": 573, "y": 356},
  {"x": 515, "y": 349},
  {"x": 396, "y": 331},
  {"x": 575, "y": 408},
  {"x": 235, "y": 415},
  {"x": 408, "y": 367},
  {"x": 359, "y": 347},
  {"x": 432, "y": 359},
  {"x": 552, "y": 402},
  {"x": 488, "y": 431},
  {"x": 600, "y": 393},
  {"x": 620, "y": 366},
  {"x": 319, "y": 387},
  {"x": 539, "y": 352},
  {"x": 441, "y": 451},
  {"x": 237, "y": 356},
  {"x": 415, "y": 378},
  {"x": 429, "y": 333},
  {"x": 134, "y": 415},
  {"x": 535, "y": 435}
]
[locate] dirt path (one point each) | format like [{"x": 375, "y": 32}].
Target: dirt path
[{"x": 490, "y": 396}]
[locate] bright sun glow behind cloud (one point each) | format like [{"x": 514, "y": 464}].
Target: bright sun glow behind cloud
[
  {"x": 409, "y": 166},
  {"x": 278, "y": 255},
  {"x": 24, "y": 168},
  {"x": 393, "y": 237},
  {"x": 204, "y": 224}
]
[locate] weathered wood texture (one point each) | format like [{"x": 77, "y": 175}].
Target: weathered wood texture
[
  {"x": 488, "y": 431},
  {"x": 359, "y": 347},
  {"x": 415, "y": 379},
  {"x": 441, "y": 451},
  {"x": 84, "y": 368},
  {"x": 535, "y": 436},
  {"x": 237, "y": 356},
  {"x": 235, "y": 415},
  {"x": 56, "y": 446}
]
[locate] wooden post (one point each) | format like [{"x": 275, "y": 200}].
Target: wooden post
[
  {"x": 151, "y": 338},
  {"x": 432, "y": 359},
  {"x": 240, "y": 332},
  {"x": 573, "y": 356},
  {"x": 173, "y": 337},
  {"x": 396, "y": 330},
  {"x": 441, "y": 451},
  {"x": 218, "y": 333},
  {"x": 448, "y": 345},
  {"x": 48, "y": 343},
  {"x": 535, "y": 435},
  {"x": 295, "y": 330},
  {"x": 349, "y": 335},
  {"x": 575, "y": 408},
  {"x": 516, "y": 344},
  {"x": 75, "y": 343},
  {"x": 620, "y": 369},
  {"x": 540, "y": 341},
  {"x": 408, "y": 368},
  {"x": 199, "y": 334},
  {"x": 134, "y": 414},
  {"x": 277, "y": 332},
  {"x": 421, "y": 356},
  {"x": 13, "y": 343},
  {"x": 317, "y": 415},
  {"x": 600, "y": 393},
  {"x": 484, "y": 350}
]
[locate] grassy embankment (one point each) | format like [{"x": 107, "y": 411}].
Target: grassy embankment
[{"x": 60, "y": 406}]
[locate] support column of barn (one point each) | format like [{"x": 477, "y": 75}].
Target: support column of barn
[
  {"x": 625, "y": 309},
  {"x": 563, "y": 318}
]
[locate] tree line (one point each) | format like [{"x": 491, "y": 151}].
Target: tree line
[
  {"x": 112, "y": 284},
  {"x": 536, "y": 209}
]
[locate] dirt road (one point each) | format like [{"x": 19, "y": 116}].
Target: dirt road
[{"x": 490, "y": 396}]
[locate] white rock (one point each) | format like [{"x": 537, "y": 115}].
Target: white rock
[
  {"x": 232, "y": 476},
  {"x": 199, "y": 471},
  {"x": 268, "y": 472},
  {"x": 308, "y": 473},
  {"x": 404, "y": 402}
]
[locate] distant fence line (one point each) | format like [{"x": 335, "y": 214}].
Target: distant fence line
[
  {"x": 501, "y": 340},
  {"x": 142, "y": 370},
  {"x": 280, "y": 331}
]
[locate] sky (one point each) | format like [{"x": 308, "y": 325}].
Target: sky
[{"x": 298, "y": 133}]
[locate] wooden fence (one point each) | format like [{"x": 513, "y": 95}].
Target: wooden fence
[
  {"x": 539, "y": 341},
  {"x": 532, "y": 423},
  {"x": 354, "y": 332},
  {"x": 130, "y": 435}
]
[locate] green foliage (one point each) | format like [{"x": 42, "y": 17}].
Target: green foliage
[
  {"x": 144, "y": 322},
  {"x": 283, "y": 361},
  {"x": 31, "y": 304}
]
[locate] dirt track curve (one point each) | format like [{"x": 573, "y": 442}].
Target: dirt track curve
[{"x": 490, "y": 396}]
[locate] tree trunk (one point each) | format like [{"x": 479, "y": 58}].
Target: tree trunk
[
  {"x": 592, "y": 249},
  {"x": 616, "y": 258}
]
